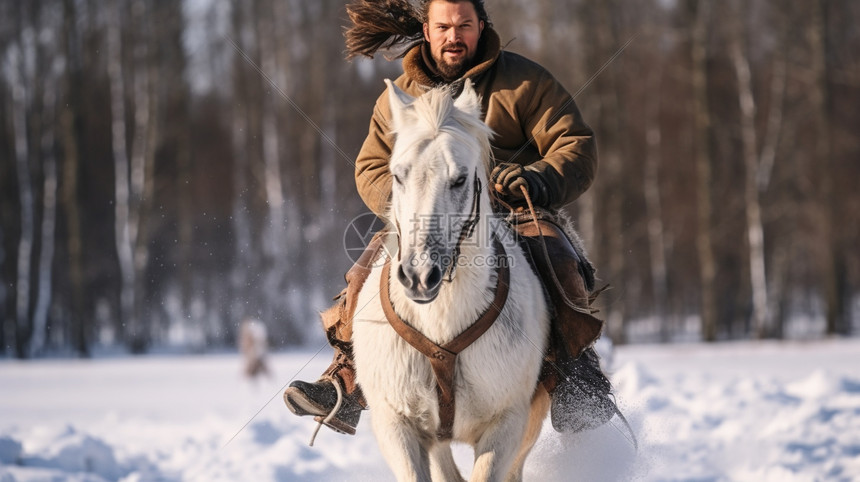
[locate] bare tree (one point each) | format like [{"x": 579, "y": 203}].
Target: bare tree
[
  {"x": 759, "y": 157},
  {"x": 49, "y": 216},
  {"x": 653, "y": 204},
  {"x": 274, "y": 229},
  {"x": 142, "y": 161},
  {"x": 614, "y": 152},
  {"x": 17, "y": 72},
  {"x": 750, "y": 147},
  {"x": 69, "y": 184},
  {"x": 3, "y": 292},
  {"x": 242, "y": 228},
  {"x": 124, "y": 230},
  {"x": 700, "y": 16},
  {"x": 173, "y": 127},
  {"x": 832, "y": 269}
]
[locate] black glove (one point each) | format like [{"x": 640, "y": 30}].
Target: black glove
[{"x": 509, "y": 177}]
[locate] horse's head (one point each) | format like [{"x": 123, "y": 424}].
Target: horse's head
[{"x": 439, "y": 165}]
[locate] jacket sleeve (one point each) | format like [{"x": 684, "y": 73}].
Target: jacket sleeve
[
  {"x": 563, "y": 140},
  {"x": 372, "y": 177}
]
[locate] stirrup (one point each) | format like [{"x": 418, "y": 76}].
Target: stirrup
[
  {"x": 331, "y": 414},
  {"x": 327, "y": 401}
]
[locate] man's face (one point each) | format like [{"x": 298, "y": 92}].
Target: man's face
[{"x": 453, "y": 30}]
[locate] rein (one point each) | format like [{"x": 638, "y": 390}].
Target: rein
[
  {"x": 562, "y": 293},
  {"x": 444, "y": 357}
]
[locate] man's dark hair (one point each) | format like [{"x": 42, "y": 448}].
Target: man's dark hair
[
  {"x": 387, "y": 24},
  {"x": 478, "y": 4}
]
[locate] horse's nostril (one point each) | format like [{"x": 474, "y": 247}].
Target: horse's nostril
[
  {"x": 405, "y": 280},
  {"x": 434, "y": 277}
]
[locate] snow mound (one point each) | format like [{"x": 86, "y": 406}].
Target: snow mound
[
  {"x": 10, "y": 450},
  {"x": 632, "y": 378},
  {"x": 745, "y": 412},
  {"x": 76, "y": 452},
  {"x": 821, "y": 384}
]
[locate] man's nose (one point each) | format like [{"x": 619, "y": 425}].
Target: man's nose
[{"x": 453, "y": 35}]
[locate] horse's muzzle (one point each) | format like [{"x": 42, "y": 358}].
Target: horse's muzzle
[{"x": 421, "y": 282}]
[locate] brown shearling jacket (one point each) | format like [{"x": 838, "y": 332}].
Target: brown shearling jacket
[{"x": 535, "y": 120}]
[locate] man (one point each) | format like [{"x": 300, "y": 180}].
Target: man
[{"x": 541, "y": 144}]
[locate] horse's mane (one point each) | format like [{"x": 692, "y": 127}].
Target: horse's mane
[{"x": 435, "y": 113}]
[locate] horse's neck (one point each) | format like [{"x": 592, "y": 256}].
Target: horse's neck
[{"x": 462, "y": 300}]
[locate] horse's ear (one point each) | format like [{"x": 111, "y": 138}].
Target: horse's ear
[
  {"x": 468, "y": 101},
  {"x": 399, "y": 101}
]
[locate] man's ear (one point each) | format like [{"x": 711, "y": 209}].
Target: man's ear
[
  {"x": 426, "y": 28},
  {"x": 480, "y": 27}
]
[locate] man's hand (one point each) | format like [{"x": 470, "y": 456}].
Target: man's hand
[{"x": 509, "y": 178}]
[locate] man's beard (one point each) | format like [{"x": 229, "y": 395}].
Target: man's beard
[{"x": 453, "y": 70}]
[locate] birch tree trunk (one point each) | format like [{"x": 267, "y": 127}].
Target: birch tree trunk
[
  {"x": 122, "y": 193},
  {"x": 3, "y": 292},
  {"x": 49, "y": 215},
  {"x": 296, "y": 301},
  {"x": 752, "y": 205},
  {"x": 172, "y": 126},
  {"x": 25, "y": 194},
  {"x": 142, "y": 163},
  {"x": 20, "y": 80}
]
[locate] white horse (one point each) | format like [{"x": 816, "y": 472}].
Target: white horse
[{"x": 445, "y": 276}]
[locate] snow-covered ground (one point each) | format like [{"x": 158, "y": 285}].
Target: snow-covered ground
[{"x": 734, "y": 411}]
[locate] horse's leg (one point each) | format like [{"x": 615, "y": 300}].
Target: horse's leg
[
  {"x": 497, "y": 447},
  {"x": 537, "y": 414},
  {"x": 401, "y": 447},
  {"x": 442, "y": 464}
]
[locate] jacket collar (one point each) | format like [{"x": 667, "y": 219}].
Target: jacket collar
[{"x": 418, "y": 64}]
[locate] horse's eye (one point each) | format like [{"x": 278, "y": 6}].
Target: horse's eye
[
  {"x": 459, "y": 181},
  {"x": 397, "y": 179}
]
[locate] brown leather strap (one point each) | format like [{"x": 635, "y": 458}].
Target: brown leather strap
[{"x": 444, "y": 357}]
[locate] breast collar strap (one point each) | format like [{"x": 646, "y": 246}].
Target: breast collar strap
[{"x": 444, "y": 357}]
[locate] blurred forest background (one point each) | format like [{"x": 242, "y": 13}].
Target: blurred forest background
[{"x": 156, "y": 188}]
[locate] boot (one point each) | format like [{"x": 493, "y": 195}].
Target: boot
[
  {"x": 321, "y": 397},
  {"x": 581, "y": 399},
  {"x": 571, "y": 373},
  {"x": 338, "y": 381}
]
